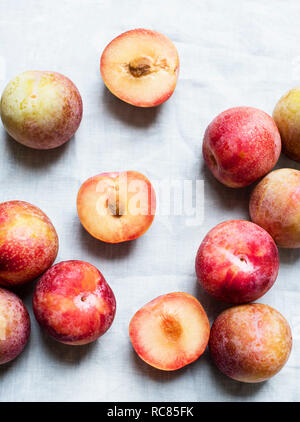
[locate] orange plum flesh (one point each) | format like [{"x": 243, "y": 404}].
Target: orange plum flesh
[
  {"x": 116, "y": 207},
  {"x": 170, "y": 332},
  {"x": 140, "y": 67}
]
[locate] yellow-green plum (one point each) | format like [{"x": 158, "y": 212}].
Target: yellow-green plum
[
  {"x": 275, "y": 206},
  {"x": 41, "y": 109},
  {"x": 287, "y": 118}
]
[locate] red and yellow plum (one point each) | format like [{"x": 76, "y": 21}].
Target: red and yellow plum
[
  {"x": 250, "y": 343},
  {"x": 241, "y": 145},
  {"x": 14, "y": 326},
  {"x": 275, "y": 206},
  {"x": 237, "y": 262},
  {"x": 74, "y": 303},
  {"x": 28, "y": 243}
]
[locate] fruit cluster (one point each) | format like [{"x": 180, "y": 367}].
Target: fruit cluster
[{"x": 237, "y": 262}]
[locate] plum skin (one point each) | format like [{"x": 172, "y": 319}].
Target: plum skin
[
  {"x": 41, "y": 109},
  {"x": 241, "y": 145},
  {"x": 14, "y": 326},
  {"x": 237, "y": 262},
  {"x": 250, "y": 343},
  {"x": 74, "y": 303},
  {"x": 28, "y": 243}
]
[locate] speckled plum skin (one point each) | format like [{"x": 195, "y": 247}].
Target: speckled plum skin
[
  {"x": 41, "y": 109},
  {"x": 28, "y": 243},
  {"x": 250, "y": 343},
  {"x": 14, "y": 326},
  {"x": 287, "y": 119},
  {"x": 237, "y": 262},
  {"x": 241, "y": 145},
  {"x": 74, "y": 303},
  {"x": 275, "y": 206}
]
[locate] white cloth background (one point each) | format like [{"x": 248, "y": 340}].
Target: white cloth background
[{"x": 231, "y": 53}]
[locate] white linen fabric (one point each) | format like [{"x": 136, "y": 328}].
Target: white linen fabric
[{"x": 231, "y": 53}]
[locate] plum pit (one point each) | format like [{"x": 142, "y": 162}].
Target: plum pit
[
  {"x": 171, "y": 327},
  {"x": 140, "y": 66}
]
